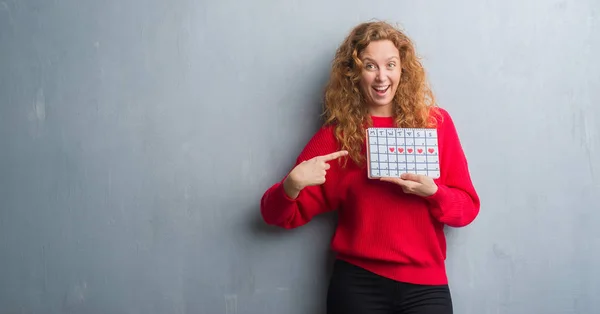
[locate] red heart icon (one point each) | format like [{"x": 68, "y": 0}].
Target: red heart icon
[
  {"x": 410, "y": 150},
  {"x": 420, "y": 150},
  {"x": 431, "y": 150},
  {"x": 391, "y": 149},
  {"x": 400, "y": 150}
]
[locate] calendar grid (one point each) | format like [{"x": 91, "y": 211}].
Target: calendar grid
[{"x": 393, "y": 151}]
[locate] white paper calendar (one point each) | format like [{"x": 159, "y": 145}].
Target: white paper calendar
[{"x": 394, "y": 151}]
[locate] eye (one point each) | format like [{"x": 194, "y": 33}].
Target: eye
[
  {"x": 392, "y": 65},
  {"x": 370, "y": 66}
]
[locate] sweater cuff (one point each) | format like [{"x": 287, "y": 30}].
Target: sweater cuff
[
  {"x": 277, "y": 206},
  {"x": 282, "y": 197},
  {"x": 439, "y": 196}
]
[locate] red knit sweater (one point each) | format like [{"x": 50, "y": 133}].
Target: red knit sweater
[{"x": 380, "y": 228}]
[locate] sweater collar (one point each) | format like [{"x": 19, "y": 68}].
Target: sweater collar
[{"x": 382, "y": 122}]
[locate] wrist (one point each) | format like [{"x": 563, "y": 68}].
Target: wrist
[
  {"x": 438, "y": 196},
  {"x": 433, "y": 190},
  {"x": 291, "y": 188}
]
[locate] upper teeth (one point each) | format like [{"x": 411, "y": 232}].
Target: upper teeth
[{"x": 381, "y": 88}]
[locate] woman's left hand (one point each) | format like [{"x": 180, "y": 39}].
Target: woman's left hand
[{"x": 414, "y": 184}]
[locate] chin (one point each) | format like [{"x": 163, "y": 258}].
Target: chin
[{"x": 383, "y": 103}]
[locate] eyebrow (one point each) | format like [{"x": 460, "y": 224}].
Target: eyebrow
[{"x": 388, "y": 59}]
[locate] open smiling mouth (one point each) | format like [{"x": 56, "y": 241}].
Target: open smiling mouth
[{"x": 380, "y": 90}]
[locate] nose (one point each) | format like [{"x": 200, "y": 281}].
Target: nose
[{"x": 381, "y": 73}]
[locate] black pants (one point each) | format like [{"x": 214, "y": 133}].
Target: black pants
[{"x": 354, "y": 290}]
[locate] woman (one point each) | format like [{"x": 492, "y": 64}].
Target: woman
[{"x": 389, "y": 240}]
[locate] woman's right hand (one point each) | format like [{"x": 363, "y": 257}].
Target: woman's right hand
[{"x": 309, "y": 172}]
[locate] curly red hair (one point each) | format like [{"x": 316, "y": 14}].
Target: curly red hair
[{"x": 345, "y": 106}]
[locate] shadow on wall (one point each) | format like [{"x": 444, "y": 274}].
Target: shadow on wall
[
  {"x": 259, "y": 230},
  {"x": 318, "y": 259}
]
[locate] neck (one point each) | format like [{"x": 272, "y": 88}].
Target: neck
[{"x": 381, "y": 111}]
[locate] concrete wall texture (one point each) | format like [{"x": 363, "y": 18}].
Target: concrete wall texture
[{"x": 137, "y": 137}]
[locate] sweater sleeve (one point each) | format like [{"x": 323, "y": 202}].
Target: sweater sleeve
[
  {"x": 456, "y": 202},
  {"x": 278, "y": 209}
]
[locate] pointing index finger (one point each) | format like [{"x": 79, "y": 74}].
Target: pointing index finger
[{"x": 332, "y": 156}]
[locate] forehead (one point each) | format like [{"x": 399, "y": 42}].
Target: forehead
[{"x": 381, "y": 49}]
